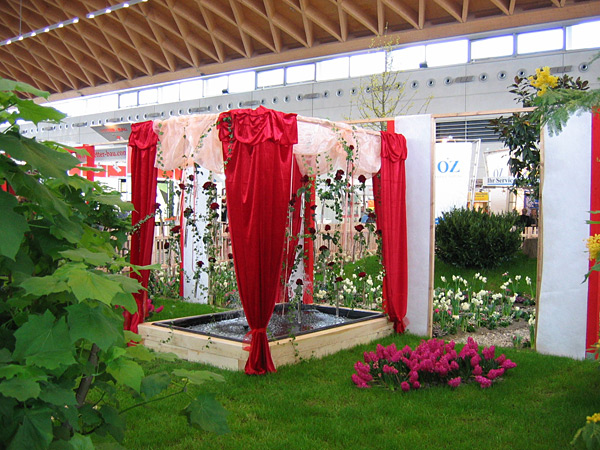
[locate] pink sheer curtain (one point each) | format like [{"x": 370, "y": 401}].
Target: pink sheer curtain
[
  {"x": 142, "y": 144},
  {"x": 257, "y": 148},
  {"x": 389, "y": 187}
]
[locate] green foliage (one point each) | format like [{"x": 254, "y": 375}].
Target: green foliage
[
  {"x": 471, "y": 238},
  {"x": 588, "y": 436},
  {"x": 63, "y": 352},
  {"x": 520, "y": 132}
]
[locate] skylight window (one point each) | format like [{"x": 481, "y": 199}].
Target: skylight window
[
  {"x": 367, "y": 64},
  {"x": 242, "y": 82},
  {"x": 407, "y": 58},
  {"x": 447, "y": 53},
  {"x": 266, "y": 78},
  {"x": 583, "y": 35},
  {"x": 492, "y": 47},
  {"x": 300, "y": 73},
  {"x": 333, "y": 69},
  {"x": 540, "y": 41}
]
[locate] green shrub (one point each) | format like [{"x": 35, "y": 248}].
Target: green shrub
[{"x": 478, "y": 239}]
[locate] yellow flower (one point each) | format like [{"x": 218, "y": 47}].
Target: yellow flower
[
  {"x": 542, "y": 80},
  {"x": 593, "y": 245},
  {"x": 595, "y": 418}
]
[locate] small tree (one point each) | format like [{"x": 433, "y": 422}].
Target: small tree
[{"x": 63, "y": 351}]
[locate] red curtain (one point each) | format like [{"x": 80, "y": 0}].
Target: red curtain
[
  {"x": 142, "y": 144},
  {"x": 594, "y": 278},
  {"x": 389, "y": 187},
  {"x": 309, "y": 245},
  {"x": 257, "y": 148}
]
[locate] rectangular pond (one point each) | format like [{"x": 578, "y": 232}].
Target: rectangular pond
[{"x": 217, "y": 339}]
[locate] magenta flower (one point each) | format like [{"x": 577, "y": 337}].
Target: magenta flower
[
  {"x": 405, "y": 386},
  {"x": 390, "y": 370},
  {"x": 483, "y": 382},
  {"x": 416, "y": 385},
  {"x": 359, "y": 382},
  {"x": 454, "y": 382},
  {"x": 508, "y": 364},
  {"x": 477, "y": 370},
  {"x": 488, "y": 353},
  {"x": 475, "y": 360},
  {"x": 495, "y": 373}
]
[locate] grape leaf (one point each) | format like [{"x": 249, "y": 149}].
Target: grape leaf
[
  {"x": 85, "y": 255},
  {"x": 87, "y": 284},
  {"x": 126, "y": 372},
  {"x": 94, "y": 324},
  {"x": 39, "y": 286},
  {"x": 20, "y": 388},
  {"x": 35, "y": 431},
  {"x": 206, "y": 413},
  {"x": 154, "y": 384},
  {"x": 58, "y": 395},
  {"x": 43, "y": 342},
  {"x": 13, "y": 226}
]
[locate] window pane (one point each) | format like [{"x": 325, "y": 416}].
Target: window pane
[
  {"x": 407, "y": 58},
  {"x": 242, "y": 82},
  {"x": 583, "y": 35},
  {"x": 148, "y": 96},
  {"x": 269, "y": 78},
  {"x": 332, "y": 69},
  {"x": 103, "y": 103},
  {"x": 492, "y": 47},
  {"x": 540, "y": 41},
  {"x": 71, "y": 108},
  {"x": 215, "y": 86},
  {"x": 169, "y": 93},
  {"x": 445, "y": 53},
  {"x": 190, "y": 90},
  {"x": 128, "y": 100},
  {"x": 298, "y": 74},
  {"x": 367, "y": 64}
]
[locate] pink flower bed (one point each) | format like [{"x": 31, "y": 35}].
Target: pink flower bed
[{"x": 432, "y": 362}]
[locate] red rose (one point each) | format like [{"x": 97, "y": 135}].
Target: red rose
[
  {"x": 176, "y": 229},
  {"x": 362, "y": 179},
  {"x": 330, "y": 264},
  {"x": 327, "y": 227},
  {"x": 362, "y": 274},
  {"x": 351, "y": 147},
  {"x": 230, "y": 255},
  {"x": 214, "y": 206},
  {"x": 338, "y": 279},
  {"x": 212, "y": 259},
  {"x": 191, "y": 178},
  {"x": 304, "y": 179},
  {"x": 313, "y": 207},
  {"x": 322, "y": 248},
  {"x": 166, "y": 245},
  {"x": 359, "y": 227},
  {"x": 208, "y": 185},
  {"x": 328, "y": 181},
  {"x": 199, "y": 263},
  {"x": 311, "y": 230},
  {"x": 299, "y": 282},
  {"x": 187, "y": 211},
  {"x": 156, "y": 205}
]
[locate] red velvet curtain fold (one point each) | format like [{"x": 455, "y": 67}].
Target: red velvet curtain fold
[
  {"x": 142, "y": 143},
  {"x": 257, "y": 148},
  {"x": 389, "y": 187}
]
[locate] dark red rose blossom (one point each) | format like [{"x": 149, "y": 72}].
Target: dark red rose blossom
[
  {"x": 330, "y": 264},
  {"x": 311, "y": 230},
  {"x": 362, "y": 179},
  {"x": 199, "y": 263},
  {"x": 176, "y": 229},
  {"x": 327, "y": 227},
  {"x": 212, "y": 259},
  {"x": 230, "y": 255},
  {"x": 322, "y": 248},
  {"x": 214, "y": 206},
  {"x": 304, "y": 179},
  {"x": 208, "y": 185},
  {"x": 362, "y": 274},
  {"x": 379, "y": 232},
  {"x": 293, "y": 201},
  {"x": 181, "y": 186},
  {"x": 227, "y": 229},
  {"x": 328, "y": 181},
  {"x": 338, "y": 279},
  {"x": 299, "y": 282},
  {"x": 156, "y": 205},
  {"x": 351, "y": 147},
  {"x": 191, "y": 178},
  {"x": 166, "y": 245},
  {"x": 372, "y": 215},
  {"x": 313, "y": 207},
  {"x": 359, "y": 227},
  {"x": 338, "y": 176},
  {"x": 187, "y": 211}
]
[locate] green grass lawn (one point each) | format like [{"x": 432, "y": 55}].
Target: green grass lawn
[{"x": 314, "y": 405}]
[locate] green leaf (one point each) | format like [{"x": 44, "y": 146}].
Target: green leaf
[
  {"x": 43, "y": 342},
  {"x": 39, "y": 286},
  {"x": 5, "y": 355},
  {"x": 95, "y": 324},
  {"x": 128, "y": 284},
  {"x": 90, "y": 285},
  {"x": 198, "y": 376},
  {"x": 13, "y": 226},
  {"x": 140, "y": 353},
  {"x": 130, "y": 336},
  {"x": 206, "y": 413},
  {"x": 11, "y": 370},
  {"x": 167, "y": 356},
  {"x": 20, "y": 388},
  {"x": 114, "y": 200},
  {"x": 80, "y": 442},
  {"x": 126, "y": 372},
  {"x": 47, "y": 161},
  {"x": 154, "y": 384},
  {"x": 126, "y": 301},
  {"x": 30, "y": 110},
  {"x": 85, "y": 255},
  {"x": 35, "y": 431},
  {"x": 114, "y": 423},
  {"x": 10, "y": 85},
  {"x": 58, "y": 395}
]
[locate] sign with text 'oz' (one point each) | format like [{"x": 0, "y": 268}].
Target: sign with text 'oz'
[{"x": 452, "y": 174}]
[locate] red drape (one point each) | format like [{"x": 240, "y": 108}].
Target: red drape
[
  {"x": 389, "y": 187},
  {"x": 309, "y": 246},
  {"x": 257, "y": 146},
  {"x": 142, "y": 143},
  {"x": 594, "y": 278}
]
